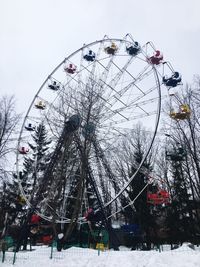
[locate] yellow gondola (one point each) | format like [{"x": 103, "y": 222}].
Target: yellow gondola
[
  {"x": 21, "y": 200},
  {"x": 183, "y": 114},
  {"x": 40, "y": 105},
  {"x": 111, "y": 50}
]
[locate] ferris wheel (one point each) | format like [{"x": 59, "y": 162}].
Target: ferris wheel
[{"x": 96, "y": 95}]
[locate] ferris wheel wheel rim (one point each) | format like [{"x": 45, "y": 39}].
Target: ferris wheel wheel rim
[{"x": 44, "y": 83}]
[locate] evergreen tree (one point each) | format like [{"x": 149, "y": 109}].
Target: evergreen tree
[
  {"x": 143, "y": 216},
  {"x": 180, "y": 218},
  {"x": 12, "y": 204},
  {"x": 132, "y": 152},
  {"x": 35, "y": 165}
]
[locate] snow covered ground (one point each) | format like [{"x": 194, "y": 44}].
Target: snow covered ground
[{"x": 78, "y": 257}]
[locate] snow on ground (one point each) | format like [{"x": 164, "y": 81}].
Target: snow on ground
[{"x": 79, "y": 257}]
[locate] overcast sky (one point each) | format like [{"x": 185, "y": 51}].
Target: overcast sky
[{"x": 36, "y": 35}]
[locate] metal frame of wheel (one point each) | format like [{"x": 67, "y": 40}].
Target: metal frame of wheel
[{"x": 78, "y": 78}]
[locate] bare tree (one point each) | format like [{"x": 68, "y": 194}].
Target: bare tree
[
  {"x": 8, "y": 124},
  {"x": 182, "y": 150}
]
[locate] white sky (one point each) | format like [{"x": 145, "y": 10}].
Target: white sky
[{"x": 36, "y": 35}]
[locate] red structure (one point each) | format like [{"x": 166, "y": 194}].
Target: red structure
[
  {"x": 161, "y": 197},
  {"x": 47, "y": 239},
  {"x": 35, "y": 219}
]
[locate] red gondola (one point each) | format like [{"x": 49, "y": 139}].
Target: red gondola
[
  {"x": 71, "y": 68},
  {"x": 156, "y": 59},
  {"x": 23, "y": 150}
]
